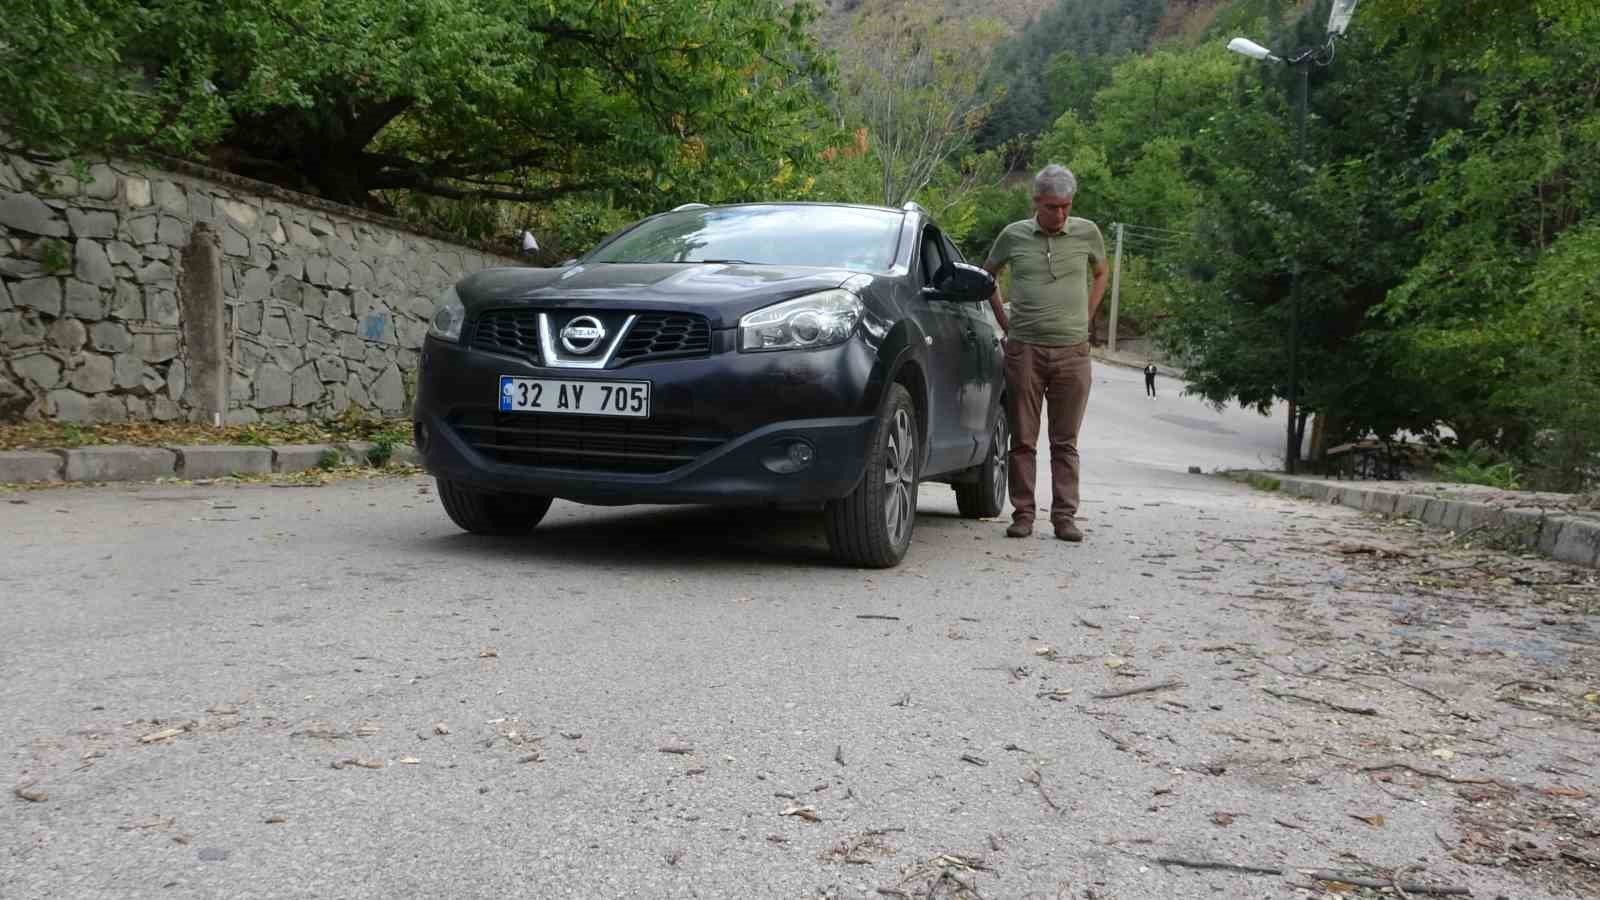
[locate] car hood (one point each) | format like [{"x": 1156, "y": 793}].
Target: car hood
[{"x": 720, "y": 292}]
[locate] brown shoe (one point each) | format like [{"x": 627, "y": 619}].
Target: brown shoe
[
  {"x": 1019, "y": 529},
  {"x": 1067, "y": 531}
]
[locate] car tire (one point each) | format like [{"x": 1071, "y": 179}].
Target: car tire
[
  {"x": 872, "y": 526},
  {"x": 985, "y": 497},
  {"x": 488, "y": 512}
]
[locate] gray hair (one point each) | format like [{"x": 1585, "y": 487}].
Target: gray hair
[{"x": 1055, "y": 181}]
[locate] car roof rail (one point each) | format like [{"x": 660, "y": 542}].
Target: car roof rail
[
  {"x": 691, "y": 206},
  {"x": 914, "y": 206}
]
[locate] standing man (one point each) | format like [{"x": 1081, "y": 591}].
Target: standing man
[
  {"x": 1053, "y": 257},
  {"x": 1150, "y": 378}
]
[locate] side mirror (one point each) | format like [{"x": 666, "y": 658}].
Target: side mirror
[
  {"x": 963, "y": 283},
  {"x": 530, "y": 244}
]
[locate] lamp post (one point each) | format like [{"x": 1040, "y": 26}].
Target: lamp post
[{"x": 1301, "y": 61}]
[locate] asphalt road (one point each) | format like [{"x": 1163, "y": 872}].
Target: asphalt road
[{"x": 272, "y": 691}]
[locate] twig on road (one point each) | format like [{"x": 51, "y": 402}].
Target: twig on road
[
  {"x": 1214, "y": 864},
  {"x": 1340, "y": 707},
  {"x": 1429, "y": 773},
  {"x": 1413, "y": 888},
  {"x": 1088, "y": 624},
  {"x": 1037, "y": 780},
  {"x": 1142, "y": 689},
  {"x": 1418, "y": 688},
  {"x": 878, "y": 616}
]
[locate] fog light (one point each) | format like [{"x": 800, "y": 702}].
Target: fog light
[{"x": 788, "y": 457}]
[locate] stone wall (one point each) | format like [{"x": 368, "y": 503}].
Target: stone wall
[{"x": 324, "y": 307}]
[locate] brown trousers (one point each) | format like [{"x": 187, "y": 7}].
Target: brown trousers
[{"x": 1036, "y": 374}]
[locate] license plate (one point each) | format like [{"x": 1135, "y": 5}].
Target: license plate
[{"x": 583, "y": 398}]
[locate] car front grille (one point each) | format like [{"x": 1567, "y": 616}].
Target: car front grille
[
  {"x": 665, "y": 336},
  {"x": 511, "y": 331},
  {"x": 654, "y": 336},
  {"x": 588, "y": 443}
]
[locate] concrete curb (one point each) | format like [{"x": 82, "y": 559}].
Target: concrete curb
[
  {"x": 1568, "y": 538},
  {"x": 188, "y": 461}
]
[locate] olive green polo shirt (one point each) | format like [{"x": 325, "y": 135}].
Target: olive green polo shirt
[{"x": 1049, "y": 293}]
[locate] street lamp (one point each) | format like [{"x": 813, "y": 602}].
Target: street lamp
[{"x": 1301, "y": 60}]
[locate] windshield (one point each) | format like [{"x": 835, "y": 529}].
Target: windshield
[{"x": 829, "y": 237}]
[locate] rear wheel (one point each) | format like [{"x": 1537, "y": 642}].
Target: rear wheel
[
  {"x": 985, "y": 497},
  {"x": 491, "y": 512},
  {"x": 872, "y": 526}
]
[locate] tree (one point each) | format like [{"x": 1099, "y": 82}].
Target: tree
[
  {"x": 908, "y": 80},
  {"x": 485, "y": 99}
]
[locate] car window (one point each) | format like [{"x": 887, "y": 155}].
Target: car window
[
  {"x": 819, "y": 236},
  {"x": 932, "y": 255},
  {"x": 950, "y": 251}
]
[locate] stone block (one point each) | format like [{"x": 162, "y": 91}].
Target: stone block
[
  {"x": 110, "y": 337},
  {"x": 68, "y": 334},
  {"x": 24, "y": 466},
  {"x": 338, "y": 275},
  {"x": 172, "y": 232},
  {"x": 389, "y": 391},
  {"x": 307, "y": 386},
  {"x": 273, "y": 387},
  {"x": 84, "y": 300},
  {"x": 235, "y": 244},
  {"x": 108, "y": 408},
  {"x": 123, "y": 253},
  {"x": 317, "y": 270},
  {"x": 42, "y": 294},
  {"x": 156, "y": 347},
  {"x": 201, "y": 209},
  {"x": 242, "y": 415},
  {"x": 321, "y": 226},
  {"x": 247, "y": 316},
  {"x": 163, "y": 409},
  {"x": 137, "y": 192},
  {"x": 119, "y": 463},
  {"x": 103, "y": 183},
  {"x": 300, "y": 236},
  {"x": 331, "y": 369},
  {"x": 97, "y": 224},
  {"x": 1410, "y": 506},
  {"x": 155, "y": 273},
  {"x": 276, "y": 325},
  {"x": 255, "y": 284},
  {"x": 93, "y": 375},
  {"x": 161, "y": 306},
  {"x": 67, "y": 406},
  {"x": 1578, "y": 542},
  {"x": 177, "y": 379},
  {"x": 127, "y": 301},
  {"x": 41, "y": 369},
  {"x": 298, "y": 457},
  {"x": 171, "y": 198},
  {"x": 288, "y": 357},
  {"x": 242, "y": 214},
  {"x": 127, "y": 372},
  {"x": 27, "y": 213},
  {"x": 141, "y": 230},
  {"x": 217, "y": 461},
  {"x": 21, "y": 328}
]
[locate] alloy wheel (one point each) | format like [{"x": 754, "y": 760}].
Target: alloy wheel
[
  {"x": 1001, "y": 448},
  {"x": 899, "y": 477}
]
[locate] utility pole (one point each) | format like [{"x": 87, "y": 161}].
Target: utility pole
[
  {"x": 1116, "y": 290},
  {"x": 1291, "y": 452}
]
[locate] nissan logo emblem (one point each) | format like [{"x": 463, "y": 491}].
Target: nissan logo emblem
[{"x": 582, "y": 335}]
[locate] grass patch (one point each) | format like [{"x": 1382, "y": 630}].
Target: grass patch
[
  {"x": 1265, "y": 483},
  {"x": 349, "y": 427}
]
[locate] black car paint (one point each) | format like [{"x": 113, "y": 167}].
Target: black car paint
[{"x": 829, "y": 397}]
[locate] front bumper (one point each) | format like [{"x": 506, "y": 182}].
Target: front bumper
[{"x": 716, "y": 421}]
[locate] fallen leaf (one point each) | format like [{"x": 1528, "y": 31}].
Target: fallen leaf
[
  {"x": 572, "y": 735},
  {"x": 1592, "y": 696},
  {"x": 1222, "y": 818},
  {"x": 441, "y": 728},
  {"x": 1568, "y": 792},
  {"x": 165, "y": 734},
  {"x": 277, "y": 820},
  {"x": 408, "y": 760},
  {"x": 362, "y": 761},
  {"x": 679, "y": 749},
  {"x": 30, "y": 793},
  {"x": 1442, "y": 753},
  {"x": 1046, "y": 652},
  {"x": 1115, "y": 662},
  {"x": 1376, "y": 821},
  {"x": 536, "y": 756},
  {"x": 1057, "y": 694},
  {"x": 367, "y": 730},
  {"x": 488, "y": 653},
  {"x": 809, "y": 813}
]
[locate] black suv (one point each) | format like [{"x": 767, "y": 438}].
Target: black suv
[{"x": 819, "y": 355}]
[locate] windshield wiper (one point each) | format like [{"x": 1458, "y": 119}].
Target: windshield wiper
[{"x": 730, "y": 262}]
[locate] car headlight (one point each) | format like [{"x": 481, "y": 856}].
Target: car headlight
[
  {"x": 815, "y": 320},
  {"x": 448, "y": 316}
]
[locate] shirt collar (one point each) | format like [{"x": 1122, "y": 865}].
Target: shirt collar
[{"x": 1038, "y": 229}]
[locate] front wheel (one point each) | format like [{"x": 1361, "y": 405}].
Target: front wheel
[
  {"x": 985, "y": 497},
  {"x": 490, "y": 512},
  {"x": 873, "y": 525}
]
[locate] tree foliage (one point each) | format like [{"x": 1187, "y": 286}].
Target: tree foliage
[{"x": 488, "y": 99}]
